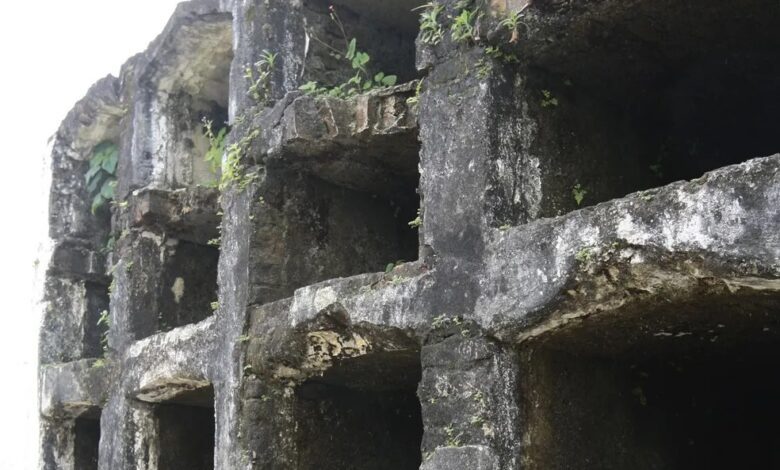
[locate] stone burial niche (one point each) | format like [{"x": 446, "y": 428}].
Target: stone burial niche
[
  {"x": 386, "y": 31},
  {"x": 363, "y": 414},
  {"x": 86, "y": 442},
  {"x": 629, "y": 98},
  {"x": 340, "y": 190},
  {"x": 172, "y": 264},
  {"x": 191, "y": 79},
  {"x": 184, "y": 425},
  {"x": 672, "y": 385}
]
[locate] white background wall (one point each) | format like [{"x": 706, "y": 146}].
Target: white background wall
[{"x": 51, "y": 51}]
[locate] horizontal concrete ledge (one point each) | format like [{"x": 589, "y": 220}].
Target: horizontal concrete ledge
[
  {"x": 174, "y": 390},
  {"x": 366, "y": 142},
  {"x": 73, "y": 389},
  {"x": 722, "y": 226},
  {"x": 189, "y": 214}
]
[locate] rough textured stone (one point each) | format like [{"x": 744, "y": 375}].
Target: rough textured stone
[{"x": 590, "y": 279}]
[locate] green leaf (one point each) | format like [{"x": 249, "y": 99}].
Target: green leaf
[
  {"x": 389, "y": 80},
  {"x": 109, "y": 164},
  {"x": 110, "y": 158},
  {"x": 351, "y": 49},
  {"x": 94, "y": 183},
  {"x": 367, "y": 86},
  {"x": 309, "y": 87},
  {"x": 107, "y": 190},
  {"x": 97, "y": 202},
  {"x": 379, "y": 77},
  {"x": 91, "y": 173}
]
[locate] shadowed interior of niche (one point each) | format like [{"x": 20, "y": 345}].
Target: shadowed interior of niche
[
  {"x": 87, "y": 442},
  {"x": 189, "y": 285},
  {"x": 95, "y": 330},
  {"x": 187, "y": 432},
  {"x": 371, "y": 412},
  {"x": 675, "y": 386},
  {"x": 385, "y": 30},
  {"x": 638, "y": 96}
]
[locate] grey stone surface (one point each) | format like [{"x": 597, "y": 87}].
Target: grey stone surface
[{"x": 591, "y": 278}]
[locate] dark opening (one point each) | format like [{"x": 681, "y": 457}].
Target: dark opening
[
  {"x": 188, "y": 284},
  {"x": 686, "y": 386},
  {"x": 87, "y": 443},
  {"x": 95, "y": 330},
  {"x": 362, "y": 414},
  {"x": 385, "y": 30},
  {"x": 647, "y": 94},
  {"x": 187, "y": 432}
]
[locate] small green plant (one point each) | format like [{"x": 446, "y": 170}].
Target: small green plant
[
  {"x": 216, "y": 145},
  {"x": 464, "y": 26},
  {"x": 453, "y": 439},
  {"x": 484, "y": 67},
  {"x": 579, "y": 193},
  {"x": 414, "y": 101},
  {"x": 362, "y": 81},
  {"x": 101, "y": 176},
  {"x": 444, "y": 320},
  {"x": 391, "y": 266},
  {"x": 104, "y": 319},
  {"x": 548, "y": 100},
  {"x": 492, "y": 53},
  {"x": 214, "y": 306},
  {"x": 99, "y": 363},
  {"x": 417, "y": 222},
  {"x": 431, "y": 31},
  {"x": 583, "y": 256},
  {"x": 260, "y": 84},
  {"x": 512, "y": 22},
  {"x": 496, "y": 53},
  {"x": 234, "y": 171}
]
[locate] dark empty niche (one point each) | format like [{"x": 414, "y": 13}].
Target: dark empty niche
[
  {"x": 86, "y": 442},
  {"x": 312, "y": 230},
  {"x": 193, "y": 87},
  {"x": 364, "y": 413},
  {"x": 188, "y": 284},
  {"x": 187, "y": 432},
  {"x": 385, "y": 30},
  {"x": 97, "y": 302},
  {"x": 630, "y": 104},
  {"x": 692, "y": 385}
]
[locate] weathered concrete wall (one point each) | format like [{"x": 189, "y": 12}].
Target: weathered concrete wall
[{"x": 552, "y": 244}]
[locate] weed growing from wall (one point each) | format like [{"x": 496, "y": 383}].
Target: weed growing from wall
[
  {"x": 362, "y": 81},
  {"x": 259, "y": 77},
  {"x": 431, "y": 30},
  {"x": 101, "y": 176}
]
